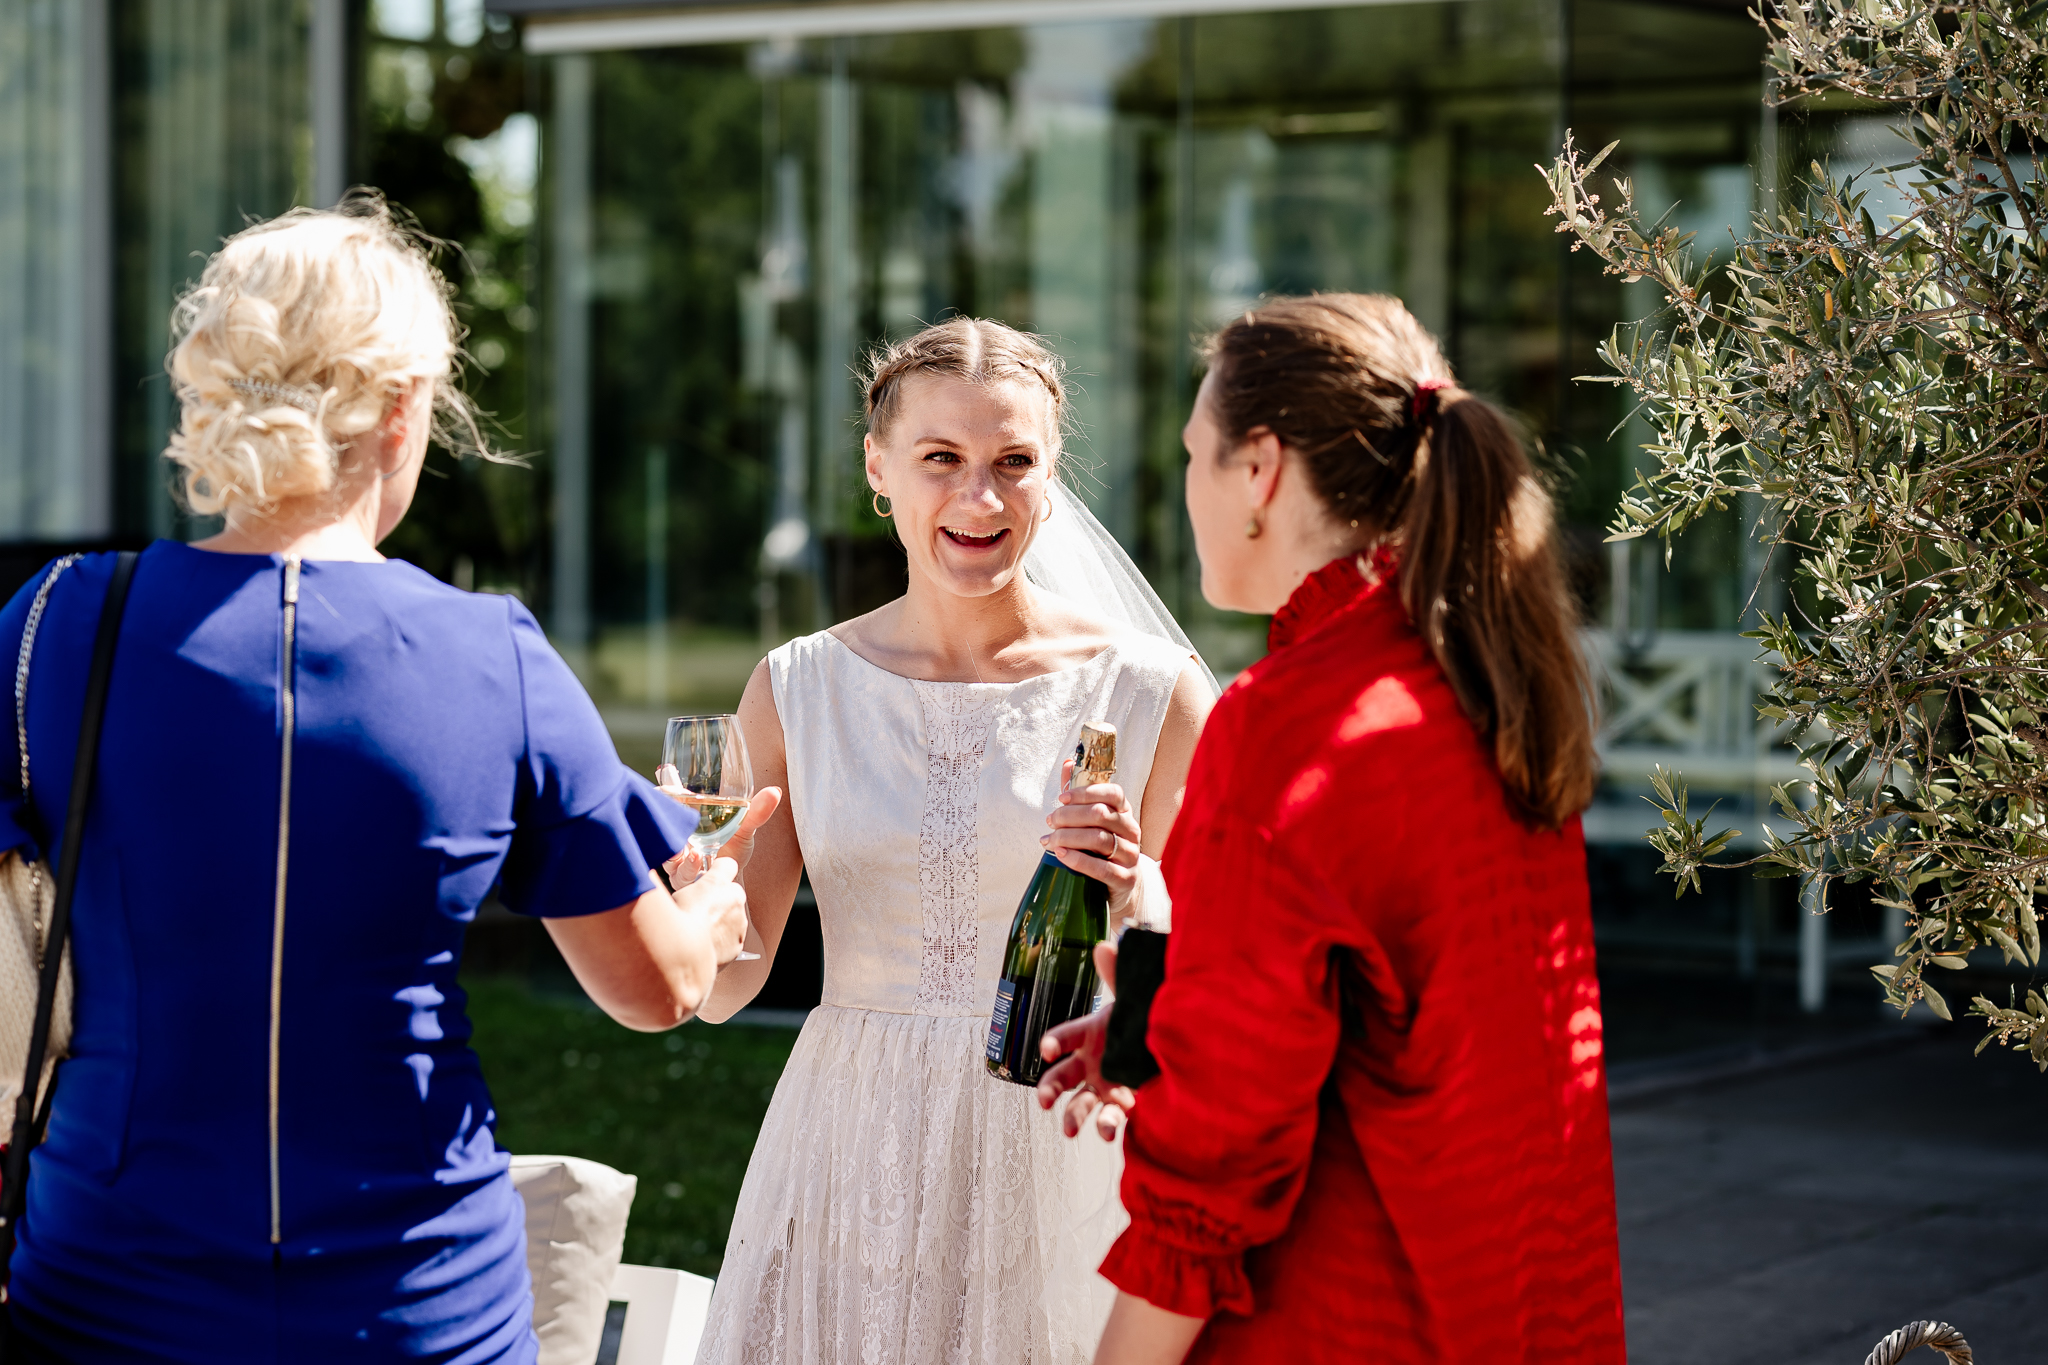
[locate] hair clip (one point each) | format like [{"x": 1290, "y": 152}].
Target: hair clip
[{"x": 305, "y": 400}]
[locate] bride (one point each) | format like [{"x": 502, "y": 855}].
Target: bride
[{"x": 902, "y": 1206}]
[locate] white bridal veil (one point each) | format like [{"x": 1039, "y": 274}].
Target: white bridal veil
[{"x": 1073, "y": 556}]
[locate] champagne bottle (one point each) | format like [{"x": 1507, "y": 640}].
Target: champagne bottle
[{"x": 1049, "y": 965}]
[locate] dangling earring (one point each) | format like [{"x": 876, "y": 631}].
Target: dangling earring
[
  {"x": 1046, "y": 515},
  {"x": 876, "y": 503},
  {"x": 1252, "y": 529}
]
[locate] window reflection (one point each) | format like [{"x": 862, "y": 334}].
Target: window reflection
[
  {"x": 213, "y": 108},
  {"x": 53, "y": 303},
  {"x": 761, "y": 214}
]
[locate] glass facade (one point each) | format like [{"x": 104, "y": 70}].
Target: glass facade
[
  {"x": 212, "y": 111},
  {"x": 730, "y": 226},
  {"x": 53, "y": 295},
  {"x": 751, "y": 218},
  {"x": 674, "y": 233}
]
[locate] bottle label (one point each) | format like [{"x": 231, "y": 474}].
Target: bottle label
[{"x": 999, "y": 1022}]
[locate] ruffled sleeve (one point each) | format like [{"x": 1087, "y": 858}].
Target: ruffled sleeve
[
  {"x": 1194, "y": 1284},
  {"x": 588, "y": 827}
]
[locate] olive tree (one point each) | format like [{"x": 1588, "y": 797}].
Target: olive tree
[{"x": 1881, "y": 384}]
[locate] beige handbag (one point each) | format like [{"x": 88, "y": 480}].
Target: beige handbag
[
  {"x": 28, "y": 892},
  {"x": 33, "y": 918}
]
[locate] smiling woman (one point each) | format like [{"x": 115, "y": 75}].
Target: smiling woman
[
  {"x": 921, "y": 747},
  {"x": 964, "y": 428}
]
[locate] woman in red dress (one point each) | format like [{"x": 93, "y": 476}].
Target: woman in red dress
[{"x": 1379, "y": 1129}]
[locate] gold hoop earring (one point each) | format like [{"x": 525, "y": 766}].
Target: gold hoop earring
[
  {"x": 1046, "y": 515},
  {"x": 876, "y": 503},
  {"x": 1252, "y": 529}
]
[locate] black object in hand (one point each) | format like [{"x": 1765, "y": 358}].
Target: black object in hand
[{"x": 1140, "y": 968}]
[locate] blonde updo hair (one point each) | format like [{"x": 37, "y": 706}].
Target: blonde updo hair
[
  {"x": 978, "y": 350},
  {"x": 295, "y": 342}
]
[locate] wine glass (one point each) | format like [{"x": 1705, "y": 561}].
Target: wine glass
[{"x": 704, "y": 766}]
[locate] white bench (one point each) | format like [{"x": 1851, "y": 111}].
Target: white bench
[
  {"x": 663, "y": 1319},
  {"x": 576, "y": 1213}
]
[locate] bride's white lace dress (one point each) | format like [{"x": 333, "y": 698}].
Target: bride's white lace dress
[{"x": 903, "y": 1206}]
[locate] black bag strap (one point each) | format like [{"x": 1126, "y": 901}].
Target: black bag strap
[{"x": 28, "y": 1115}]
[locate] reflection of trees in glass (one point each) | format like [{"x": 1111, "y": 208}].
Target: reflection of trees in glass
[
  {"x": 210, "y": 131},
  {"x": 444, "y": 134},
  {"x": 762, "y": 214},
  {"x": 1680, "y": 88},
  {"x": 677, "y": 202},
  {"x": 49, "y": 439}
]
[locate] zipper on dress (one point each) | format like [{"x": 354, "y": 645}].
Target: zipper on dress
[{"x": 287, "y": 690}]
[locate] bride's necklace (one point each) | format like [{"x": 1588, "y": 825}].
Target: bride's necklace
[{"x": 975, "y": 664}]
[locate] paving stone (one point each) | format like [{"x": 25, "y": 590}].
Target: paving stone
[{"x": 1797, "y": 1217}]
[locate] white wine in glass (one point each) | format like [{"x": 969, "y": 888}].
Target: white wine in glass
[{"x": 704, "y": 766}]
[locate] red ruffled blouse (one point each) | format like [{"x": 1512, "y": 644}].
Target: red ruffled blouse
[{"x": 1380, "y": 1128}]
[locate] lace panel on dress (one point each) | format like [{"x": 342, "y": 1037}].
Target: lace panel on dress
[{"x": 956, "y": 726}]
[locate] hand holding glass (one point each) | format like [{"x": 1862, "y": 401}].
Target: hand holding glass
[{"x": 704, "y": 766}]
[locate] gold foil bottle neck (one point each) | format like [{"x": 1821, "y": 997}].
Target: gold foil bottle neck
[{"x": 1095, "y": 756}]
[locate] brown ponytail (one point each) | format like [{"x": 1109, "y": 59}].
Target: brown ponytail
[{"x": 1355, "y": 387}]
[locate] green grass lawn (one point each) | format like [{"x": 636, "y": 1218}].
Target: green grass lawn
[{"x": 678, "y": 1109}]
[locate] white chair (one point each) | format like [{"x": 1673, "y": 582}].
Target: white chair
[
  {"x": 588, "y": 1309},
  {"x": 663, "y": 1320}
]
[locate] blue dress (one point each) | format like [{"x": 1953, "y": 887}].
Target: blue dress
[{"x": 443, "y": 749}]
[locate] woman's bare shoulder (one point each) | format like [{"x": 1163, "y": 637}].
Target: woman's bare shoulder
[
  {"x": 1073, "y": 625},
  {"x": 877, "y": 637},
  {"x": 870, "y": 626},
  {"x": 758, "y": 710}
]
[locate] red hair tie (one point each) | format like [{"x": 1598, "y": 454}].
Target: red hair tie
[{"x": 1423, "y": 389}]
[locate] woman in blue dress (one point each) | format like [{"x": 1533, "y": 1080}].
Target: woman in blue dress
[{"x": 271, "y": 1141}]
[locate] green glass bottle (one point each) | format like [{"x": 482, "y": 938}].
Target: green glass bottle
[{"x": 1049, "y": 965}]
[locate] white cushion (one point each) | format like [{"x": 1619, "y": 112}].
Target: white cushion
[{"x": 575, "y": 1230}]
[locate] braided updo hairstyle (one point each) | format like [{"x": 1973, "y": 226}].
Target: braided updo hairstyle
[
  {"x": 978, "y": 350},
  {"x": 295, "y": 342},
  {"x": 1354, "y": 385}
]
